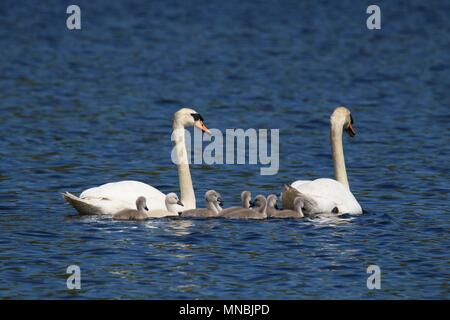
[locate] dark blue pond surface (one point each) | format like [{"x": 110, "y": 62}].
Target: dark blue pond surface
[{"x": 82, "y": 108}]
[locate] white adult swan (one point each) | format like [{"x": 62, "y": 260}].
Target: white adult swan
[
  {"x": 327, "y": 195},
  {"x": 114, "y": 197}
]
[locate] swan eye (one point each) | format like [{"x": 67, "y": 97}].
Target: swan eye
[
  {"x": 197, "y": 117},
  {"x": 351, "y": 119}
]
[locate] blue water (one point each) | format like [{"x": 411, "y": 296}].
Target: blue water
[{"x": 82, "y": 108}]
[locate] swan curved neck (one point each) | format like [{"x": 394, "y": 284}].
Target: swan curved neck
[
  {"x": 187, "y": 193},
  {"x": 213, "y": 207},
  {"x": 337, "y": 150},
  {"x": 245, "y": 202},
  {"x": 263, "y": 209}
]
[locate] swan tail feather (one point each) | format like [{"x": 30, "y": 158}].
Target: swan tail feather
[{"x": 83, "y": 207}]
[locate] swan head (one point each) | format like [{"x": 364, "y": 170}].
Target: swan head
[
  {"x": 213, "y": 196},
  {"x": 246, "y": 197},
  {"x": 172, "y": 199},
  {"x": 141, "y": 204},
  {"x": 186, "y": 117},
  {"x": 342, "y": 116},
  {"x": 271, "y": 201}
]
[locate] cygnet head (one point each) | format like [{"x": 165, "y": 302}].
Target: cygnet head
[
  {"x": 141, "y": 204},
  {"x": 341, "y": 116},
  {"x": 186, "y": 117},
  {"x": 172, "y": 198},
  {"x": 213, "y": 196},
  {"x": 259, "y": 203}
]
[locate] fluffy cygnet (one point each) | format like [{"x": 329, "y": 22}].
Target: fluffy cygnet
[
  {"x": 212, "y": 202},
  {"x": 272, "y": 212},
  {"x": 132, "y": 214},
  {"x": 258, "y": 210}
]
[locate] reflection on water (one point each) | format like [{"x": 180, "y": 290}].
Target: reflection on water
[
  {"x": 179, "y": 227},
  {"x": 79, "y": 109},
  {"x": 331, "y": 220}
]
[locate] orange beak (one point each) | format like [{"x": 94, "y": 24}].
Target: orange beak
[
  {"x": 351, "y": 132},
  {"x": 199, "y": 124}
]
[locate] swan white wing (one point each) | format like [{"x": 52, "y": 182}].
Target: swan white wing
[
  {"x": 316, "y": 203},
  {"x": 329, "y": 193},
  {"x": 123, "y": 194},
  {"x": 298, "y": 183}
]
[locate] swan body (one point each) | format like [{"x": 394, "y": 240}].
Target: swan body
[
  {"x": 325, "y": 195},
  {"x": 114, "y": 197},
  {"x": 328, "y": 195},
  {"x": 212, "y": 200}
]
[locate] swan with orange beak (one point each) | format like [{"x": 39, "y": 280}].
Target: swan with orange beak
[
  {"x": 199, "y": 122},
  {"x": 327, "y": 195},
  {"x": 114, "y": 197}
]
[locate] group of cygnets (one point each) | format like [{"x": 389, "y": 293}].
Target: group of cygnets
[
  {"x": 319, "y": 196},
  {"x": 258, "y": 209}
]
